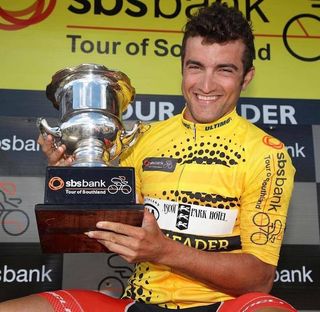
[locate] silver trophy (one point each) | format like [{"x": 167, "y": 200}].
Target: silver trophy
[{"x": 91, "y": 99}]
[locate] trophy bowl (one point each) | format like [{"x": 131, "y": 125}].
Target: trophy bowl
[{"x": 91, "y": 100}]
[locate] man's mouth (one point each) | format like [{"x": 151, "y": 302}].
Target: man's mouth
[{"x": 207, "y": 97}]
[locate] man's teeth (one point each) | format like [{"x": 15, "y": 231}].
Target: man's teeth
[{"x": 207, "y": 98}]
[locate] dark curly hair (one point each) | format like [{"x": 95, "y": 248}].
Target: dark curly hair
[{"x": 219, "y": 23}]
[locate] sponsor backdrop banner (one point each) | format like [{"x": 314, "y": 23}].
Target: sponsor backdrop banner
[
  {"x": 142, "y": 38},
  {"x": 147, "y": 108},
  {"x": 18, "y": 196},
  {"x": 20, "y": 154},
  {"x": 297, "y": 278},
  {"x": 25, "y": 270}
]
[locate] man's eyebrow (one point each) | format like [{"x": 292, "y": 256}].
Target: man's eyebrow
[
  {"x": 193, "y": 62},
  {"x": 230, "y": 65},
  {"x": 222, "y": 65}
]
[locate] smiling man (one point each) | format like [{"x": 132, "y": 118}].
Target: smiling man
[
  {"x": 219, "y": 185},
  {"x": 213, "y": 77}
]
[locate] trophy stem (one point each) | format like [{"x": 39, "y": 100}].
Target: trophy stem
[{"x": 89, "y": 153}]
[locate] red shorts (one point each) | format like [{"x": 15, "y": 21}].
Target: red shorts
[
  {"x": 253, "y": 301},
  {"x": 94, "y": 301}
]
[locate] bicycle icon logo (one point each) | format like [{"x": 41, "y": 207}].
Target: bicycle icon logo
[
  {"x": 14, "y": 221},
  {"x": 298, "y": 27},
  {"x": 114, "y": 285},
  {"x": 268, "y": 231},
  {"x": 120, "y": 184}
]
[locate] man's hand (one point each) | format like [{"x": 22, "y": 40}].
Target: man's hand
[
  {"x": 55, "y": 156},
  {"x": 134, "y": 244}
]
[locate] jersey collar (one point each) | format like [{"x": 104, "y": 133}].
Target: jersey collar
[{"x": 224, "y": 121}]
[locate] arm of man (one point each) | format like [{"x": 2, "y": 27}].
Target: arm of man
[{"x": 234, "y": 274}]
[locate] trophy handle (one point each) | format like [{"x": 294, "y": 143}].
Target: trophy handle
[
  {"x": 45, "y": 129},
  {"x": 128, "y": 138},
  {"x": 124, "y": 140}
]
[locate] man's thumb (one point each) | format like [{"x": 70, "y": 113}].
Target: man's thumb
[{"x": 148, "y": 218}]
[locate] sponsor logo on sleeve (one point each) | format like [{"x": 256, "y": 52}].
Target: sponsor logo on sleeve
[
  {"x": 273, "y": 142},
  {"x": 270, "y": 229}
]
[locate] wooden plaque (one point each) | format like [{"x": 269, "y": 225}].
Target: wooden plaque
[{"x": 61, "y": 227}]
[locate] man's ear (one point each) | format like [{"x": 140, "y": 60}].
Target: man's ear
[{"x": 247, "y": 78}]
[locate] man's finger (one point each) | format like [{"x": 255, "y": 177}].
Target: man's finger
[
  {"x": 56, "y": 156},
  {"x": 41, "y": 139},
  {"x": 45, "y": 143},
  {"x": 110, "y": 237},
  {"x": 117, "y": 227}
]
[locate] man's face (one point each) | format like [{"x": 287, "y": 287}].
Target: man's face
[{"x": 212, "y": 79}]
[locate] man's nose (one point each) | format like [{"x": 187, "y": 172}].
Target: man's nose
[{"x": 208, "y": 82}]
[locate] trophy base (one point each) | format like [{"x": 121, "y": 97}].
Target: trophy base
[{"x": 61, "y": 227}]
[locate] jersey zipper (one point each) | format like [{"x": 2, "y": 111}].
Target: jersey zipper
[{"x": 184, "y": 165}]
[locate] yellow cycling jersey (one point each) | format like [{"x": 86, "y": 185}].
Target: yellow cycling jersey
[{"x": 220, "y": 187}]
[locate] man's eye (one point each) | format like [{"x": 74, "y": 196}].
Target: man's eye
[{"x": 228, "y": 70}]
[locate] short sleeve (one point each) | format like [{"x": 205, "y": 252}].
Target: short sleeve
[{"x": 268, "y": 186}]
